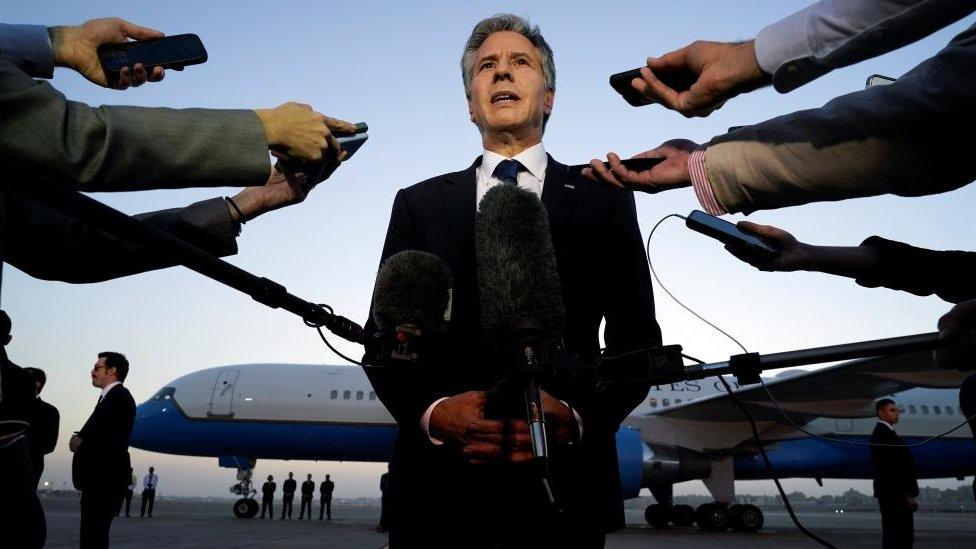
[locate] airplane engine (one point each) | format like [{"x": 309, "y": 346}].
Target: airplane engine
[{"x": 643, "y": 466}]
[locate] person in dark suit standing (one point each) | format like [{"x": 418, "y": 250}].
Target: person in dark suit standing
[
  {"x": 149, "y": 484},
  {"x": 287, "y": 496},
  {"x": 325, "y": 493},
  {"x": 267, "y": 497},
  {"x": 100, "y": 468},
  {"x": 895, "y": 481},
  {"x": 21, "y": 515},
  {"x": 455, "y": 477},
  {"x": 44, "y": 425},
  {"x": 308, "y": 491},
  {"x": 384, "y": 525}
]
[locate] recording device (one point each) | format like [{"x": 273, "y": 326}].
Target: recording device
[
  {"x": 679, "y": 80},
  {"x": 522, "y": 313},
  {"x": 352, "y": 143},
  {"x": 879, "y": 80},
  {"x": 633, "y": 164},
  {"x": 411, "y": 306},
  {"x": 170, "y": 52},
  {"x": 726, "y": 232}
]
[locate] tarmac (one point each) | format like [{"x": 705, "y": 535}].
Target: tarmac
[{"x": 181, "y": 524}]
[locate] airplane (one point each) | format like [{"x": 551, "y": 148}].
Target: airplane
[{"x": 680, "y": 432}]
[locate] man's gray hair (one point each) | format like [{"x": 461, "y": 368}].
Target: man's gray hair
[{"x": 500, "y": 23}]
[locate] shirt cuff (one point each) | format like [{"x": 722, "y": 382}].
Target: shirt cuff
[
  {"x": 784, "y": 41},
  {"x": 698, "y": 171},
  {"x": 29, "y": 48},
  {"x": 425, "y": 422}
]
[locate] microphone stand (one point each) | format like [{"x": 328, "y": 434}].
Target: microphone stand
[
  {"x": 39, "y": 188},
  {"x": 664, "y": 364}
]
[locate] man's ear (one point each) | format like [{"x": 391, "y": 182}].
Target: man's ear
[
  {"x": 112, "y": 372},
  {"x": 550, "y": 100}
]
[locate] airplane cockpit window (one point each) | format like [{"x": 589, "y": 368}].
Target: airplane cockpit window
[
  {"x": 665, "y": 401},
  {"x": 653, "y": 402},
  {"x": 925, "y": 410},
  {"x": 166, "y": 393},
  {"x": 937, "y": 410},
  {"x": 346, "y": 395},
  {"x": 359, "y": 395},
  {"x": 372, "y": 395},
  {"x": 334, "y": 394},
  {"x": 911, "y": 409},
  {"x": 949, "y": 410}
]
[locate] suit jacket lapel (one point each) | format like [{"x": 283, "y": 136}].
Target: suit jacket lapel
[
  {"x": 561, "y": 201},
  {"x": 458, "y": 195}
]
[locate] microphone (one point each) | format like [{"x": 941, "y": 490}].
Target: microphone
[
  {"x": 411, "y": 304},
  {"x": 522, "y": 312}
]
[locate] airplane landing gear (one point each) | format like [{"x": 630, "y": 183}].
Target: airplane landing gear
[
  {"x": 713, "y": 517},
  {"x": 682, "y": 515},
  {"x": 657, "y": 515},
  {"x": 246, "y": 507},
  {"x": 746, "y": 518}
]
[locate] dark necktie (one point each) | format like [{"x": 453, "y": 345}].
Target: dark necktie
[{"x": 507, "y": 171}]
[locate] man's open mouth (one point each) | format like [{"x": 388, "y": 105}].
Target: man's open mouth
[{"x": 504, "y": 97}]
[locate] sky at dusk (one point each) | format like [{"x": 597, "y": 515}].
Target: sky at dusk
[{"x": 395, "y": 65}]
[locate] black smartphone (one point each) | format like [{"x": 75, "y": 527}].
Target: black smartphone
[
  {"x": 634, "y": 164},
  {"x": 725, "y": 232},
  {"x": 170, "y": 52},
  {"x": 677, "y": 80}
]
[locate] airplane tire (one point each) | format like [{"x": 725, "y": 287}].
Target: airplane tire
[
  {"x": 712, "y": 517},
  {"x": 245, "y": 508},
  {"x": 657, "y": 515},
  {"x": 682, "y": 515},
  {"x": 746, "y": 518}
]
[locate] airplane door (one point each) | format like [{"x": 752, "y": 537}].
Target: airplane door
[
  {"x": 845, "y": 425},
  {"x": 222, "y": 399}
]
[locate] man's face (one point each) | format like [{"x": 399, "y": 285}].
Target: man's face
[
  {"x": 508, "y": 89},
  {"x": 102, "y": 375},
  {"x": 888, "y": 413}
]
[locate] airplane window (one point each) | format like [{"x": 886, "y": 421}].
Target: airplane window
[
  {"x": 949, "y": 410},
  {"x": 665, "y": 401},
  {"x": 359, "y": 395},
  {"x": 925, "y": 410},
  {"x": 372, "y": 395},
  {"x": 911, "y": 409},
  {"x": 334, "y": 394},
  {"x": 653, "y": 402},
  {"x": 166, "y": 393},
  {"x": 677, "y": 401},
  {"x": 346, "y": 395},
  {"x": 937, "y": 410}
]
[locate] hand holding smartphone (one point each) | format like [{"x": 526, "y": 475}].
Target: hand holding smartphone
[
  {"x": 679, "y": 80},
  {"x": 170, "y": 52}
]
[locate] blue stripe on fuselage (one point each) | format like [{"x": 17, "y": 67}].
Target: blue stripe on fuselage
[
  {"x": 813, "y": 457},
  {"x": 162, "y": 427}
]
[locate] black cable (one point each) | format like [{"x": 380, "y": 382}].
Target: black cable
[
  {"x": 766, "y": 460},
  {"x": 333, "y": 349}
]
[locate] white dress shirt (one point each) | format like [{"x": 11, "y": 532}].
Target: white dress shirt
[
  {"x": 890, "y": 426},
  {"x": 150, "y": 481}
]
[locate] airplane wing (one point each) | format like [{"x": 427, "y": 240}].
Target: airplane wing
[{"x": 846, "y": 390}]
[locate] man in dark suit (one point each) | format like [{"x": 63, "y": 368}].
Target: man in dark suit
[
  {"x": 287, "y": 496},
  {"x": 456, "y": 478},
  {"x": 267, "y": 497},
  {"x": 100, "y": 468},
  {"x": 21, "y": 515},
  {"x": 325, "y": 493},
  {"x": 895, "y": 481},
  {"x": 308, "y": 491},
  {"x": 44, "y": 425}
]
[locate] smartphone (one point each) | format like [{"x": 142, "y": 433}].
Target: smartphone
[
  {"x": 352, "y": 143},
  {"x": 634, "y": 164},
  {"x": 170, "y": 52},
  {"x": 879, "y": 80},
  {"x": 677, "y": 80},
  {"x": 725, "y": 232}
]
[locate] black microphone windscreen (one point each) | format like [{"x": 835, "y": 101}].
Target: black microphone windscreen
[
  {"x": 412, "y": 287},
  {"x": 517, "y": 272}
]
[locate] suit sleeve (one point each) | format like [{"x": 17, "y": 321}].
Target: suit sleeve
[
  {"x": 49, "y": 245},
  {"x": 828, "y": 35},
  {"x": 902, "y": 139},
  {"x": 406, "y": 394},
  {"x": 127, "y": 148},
  {"x": 948, "y": 274},
  {"x": 629, "y": 316}
]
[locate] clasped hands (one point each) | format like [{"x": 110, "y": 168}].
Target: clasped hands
[{"x": 460, "y": 421}]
